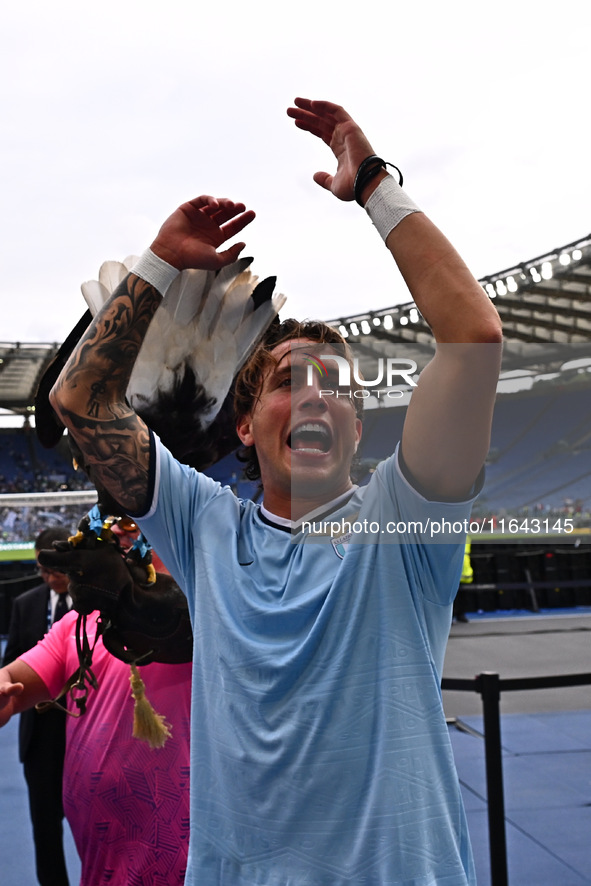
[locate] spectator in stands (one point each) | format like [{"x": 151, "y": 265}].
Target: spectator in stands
[{"x": 42, "y": 737}]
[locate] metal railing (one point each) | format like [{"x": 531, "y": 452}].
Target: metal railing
[{"x": 489, "y": 686}]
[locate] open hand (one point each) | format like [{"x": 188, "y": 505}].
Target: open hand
[
  {"x": 8, "y": 691},
  {"x": 190, "y": 237},
  {"x": 339, "y": 131}
]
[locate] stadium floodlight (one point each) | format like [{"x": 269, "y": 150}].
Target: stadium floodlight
[
  {"x": 414, "y": 315},
  {"x": 388, "y": 322},
  {"x": 344, "y": 331},
  {"x": 512, "y": 284},
  {"x": 547, "y": 271},
  {"x": 404, "y": 321},
  {"x": 564, "y": 258},
  {"x": 365, "y": 327}
]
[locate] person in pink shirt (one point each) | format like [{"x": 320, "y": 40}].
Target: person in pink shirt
[{"x": 127, "y": 804}]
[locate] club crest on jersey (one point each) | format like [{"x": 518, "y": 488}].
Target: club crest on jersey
[{"x": 341, "y": 544}]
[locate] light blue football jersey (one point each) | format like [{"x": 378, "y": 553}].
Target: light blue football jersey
[{"x": 320, "y": 753}]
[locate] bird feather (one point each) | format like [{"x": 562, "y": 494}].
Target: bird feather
[
  {"x": 111, "y": 273},
  {"x": 199, "y": 338},
  {"x": 95, "y": 295}
]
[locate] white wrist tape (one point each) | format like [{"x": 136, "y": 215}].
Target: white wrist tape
[
  {"x": 155, "y": 271},
  {"x": 388, "y": 205}
]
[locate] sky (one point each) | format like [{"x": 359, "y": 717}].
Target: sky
[{"x": 114, "y": 113}]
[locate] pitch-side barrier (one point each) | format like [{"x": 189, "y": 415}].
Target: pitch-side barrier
[{"x": 489, "y": 686}]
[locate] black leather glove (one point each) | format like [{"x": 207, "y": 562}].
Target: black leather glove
[{"x": 142, "y": 621}]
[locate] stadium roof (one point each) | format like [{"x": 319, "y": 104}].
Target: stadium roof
[
  {"x": 21, "y": 367},
  {"x": 544, "y": 303}
]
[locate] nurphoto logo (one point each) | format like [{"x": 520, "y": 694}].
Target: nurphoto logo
[{"x": 349, "y": 381}]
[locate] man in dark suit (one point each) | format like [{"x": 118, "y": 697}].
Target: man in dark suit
[{"x": 42, "y": 737}]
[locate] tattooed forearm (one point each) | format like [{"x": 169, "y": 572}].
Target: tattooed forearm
[
  {"x": 89, "y": 395},
  {"x": 103, "y": 361},
  {"x": 116, "y": 456}
]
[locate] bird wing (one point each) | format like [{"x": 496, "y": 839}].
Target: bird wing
[{"x": 200, "y": 336}]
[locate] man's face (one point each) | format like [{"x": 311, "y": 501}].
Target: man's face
[
  {"x": 57, "y": 581},
  {"x": 305, "y": 442}
]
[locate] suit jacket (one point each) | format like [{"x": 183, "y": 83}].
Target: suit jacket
[{"x": 28, "y": 624}]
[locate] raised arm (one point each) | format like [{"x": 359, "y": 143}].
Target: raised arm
[
  {"x": 89, "y": 395},
  {"x": 447, "y": 430}
]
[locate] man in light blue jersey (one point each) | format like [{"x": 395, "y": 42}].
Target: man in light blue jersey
[{"x": 320, "y": 754}]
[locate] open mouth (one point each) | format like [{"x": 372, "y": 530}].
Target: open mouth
[{"x": 310, "y": 437}]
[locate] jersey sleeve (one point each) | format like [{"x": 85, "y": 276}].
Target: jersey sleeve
[
  {"x": 49, "y": 658},
  {"x": 432, "y": 534},
  {"x": 180, "y": 496}
]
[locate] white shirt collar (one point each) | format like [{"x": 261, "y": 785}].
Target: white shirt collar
[{"x": 322, "y": 509}]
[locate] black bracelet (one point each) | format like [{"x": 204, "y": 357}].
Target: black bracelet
[{"x": 368, "y": 169}]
